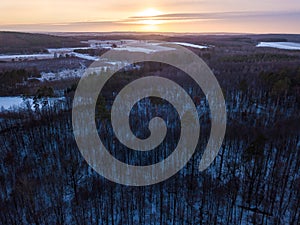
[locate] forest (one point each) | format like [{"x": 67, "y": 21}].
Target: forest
[{"x": 255, "y": 178}]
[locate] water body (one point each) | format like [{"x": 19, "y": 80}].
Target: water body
[{"x": 280, "y": 45}]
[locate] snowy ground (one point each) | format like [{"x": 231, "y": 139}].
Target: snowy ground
[
  {"x": 28, "y": 57},
  {"x": 147, "y": 47},
  {"x": 102, "y": 66},
  {"x": 144, "y": 46},
  {"x": 190, "y": 45},
  {"x": 7, "y": 103},
  {"x": 280, "y": 45},
  {"x": 15, "y": 103},
  {"x": 151, "y": 47},
  {"x": 65, "y": 50},
  {"x": 61, "y": 75}
]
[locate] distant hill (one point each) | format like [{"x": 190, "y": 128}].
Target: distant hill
[{"x": 27, "y": 43}]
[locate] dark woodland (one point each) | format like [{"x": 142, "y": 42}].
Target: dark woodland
[{"x": 255, "y": 178}]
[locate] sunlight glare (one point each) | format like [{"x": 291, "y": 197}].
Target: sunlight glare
[{"x": 149, "y": 12}]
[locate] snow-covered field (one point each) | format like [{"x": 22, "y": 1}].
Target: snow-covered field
[
  {"x": 103, "y": 65},
  {"x": 190, "y": 45},
  {"x": 142, "y": 46},
  {"x": 108, "y": 44},
  {"x": 280, "y": 45},
  {"x": 85, "y": 56},
  {"x": 22, "y": 57},
  {"x": 65, "y": 50},
  {"x": 147, "y": 47}
]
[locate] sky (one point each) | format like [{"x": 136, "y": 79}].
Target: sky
[{"x": 193, "y": 16}]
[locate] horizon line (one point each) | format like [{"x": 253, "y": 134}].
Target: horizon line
[{"x": 147, "y": 32}]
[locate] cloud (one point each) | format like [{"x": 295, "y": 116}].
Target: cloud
[
  {"x": 217, "y": 15},
  {"x": 62, "y": 27},
  {"x": 275, "y": 19}
]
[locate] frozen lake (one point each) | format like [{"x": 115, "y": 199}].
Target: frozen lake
[{"x": 280, "y": 45}]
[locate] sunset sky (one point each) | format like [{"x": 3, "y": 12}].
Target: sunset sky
[{"x": 196, "y": 16}]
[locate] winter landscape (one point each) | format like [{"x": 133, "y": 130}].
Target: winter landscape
[
  {"x": 46, "y": 179},
  {"x": 253, "y": 180}
]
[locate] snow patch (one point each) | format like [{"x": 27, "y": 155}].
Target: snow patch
[
  {"x": 22, "y": 57},
  {"x": 17, "y": 102},
  {"x": 190, "y": 45},
  {"x": 63, "y": 74},
  {"x": 9, "y": 103}
]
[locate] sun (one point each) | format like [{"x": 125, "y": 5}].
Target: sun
[
  {"x": 149, "y": 12},
  {"x": 148, "y": 19}
]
